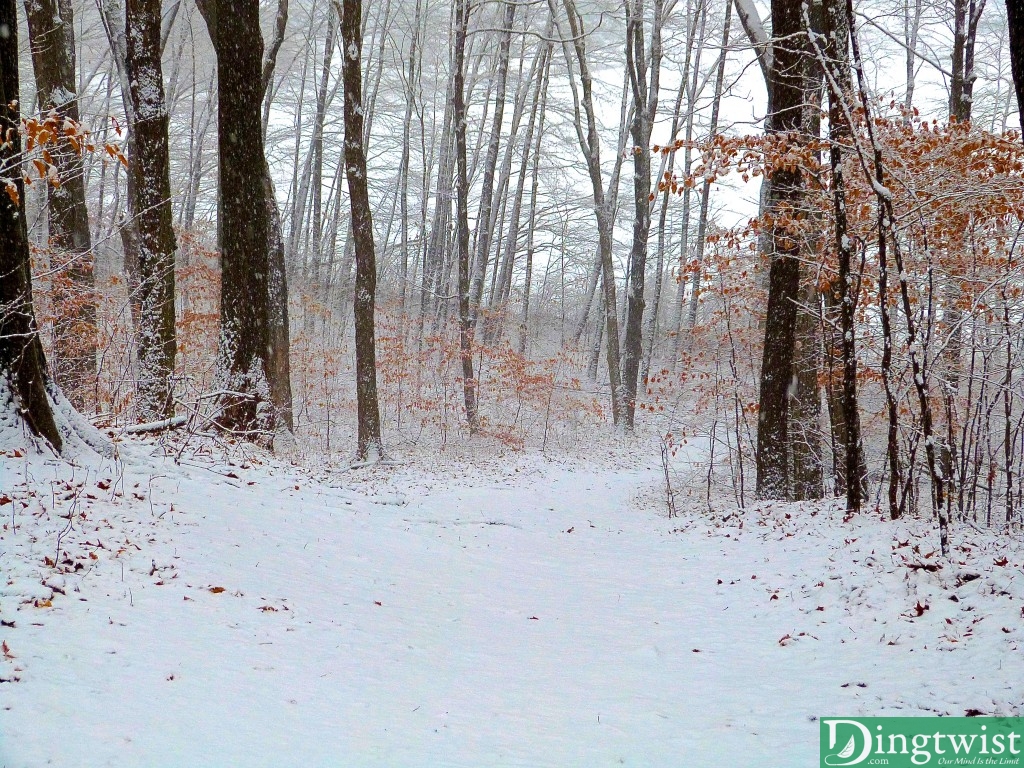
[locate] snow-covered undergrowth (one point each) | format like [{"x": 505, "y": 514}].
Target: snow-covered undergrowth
[{"x": 516, "y": 610}]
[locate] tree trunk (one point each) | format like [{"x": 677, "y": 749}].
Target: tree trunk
[
  {"x": 315, "y": 232},
  {"x": 462, "y": 214},
  {"x": 52, "y": 43},
  {"x": 841, "y": 297},
  {"x": 485, "y": 215},
  {"x": 805, "y": 401},
  {"x": 886, "y": 229},
  {"x": 150, "y": 205},
  {"x": 370, "y": 446},
  {"x": 524, "y": 323},
  {"x": 433, "y": 255},
  {"x": 603, "y": 206},
  {"x": 688, "y": 84},
  {"x": 966, "y": 15},
  {"x": 786, "y": 87},
  {"x": 1015, "y": 19},
  {"x": 244, "y": 405},
  {"x": 503, "y": 288},
  {"x": 411, "y": 88},
  {"x": 911, "y": 32},
  {"x": 270, "y": 60},
  {"x": 705, "y": 192},
  {"x": 23, "y": 377},
  {"x": 805, "y": 440},
  {"x": 279, "y": 369},
  {"x": 644, "y": 69}
]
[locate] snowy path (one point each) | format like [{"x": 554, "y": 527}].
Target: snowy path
[{"x": 546, "y": 618}]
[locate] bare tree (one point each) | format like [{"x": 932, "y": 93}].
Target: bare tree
[
  {"x": 52, "y": 42},
  {"x": 644, "y": 68},
  {"x": 705, "y": 190},
  {"x": 540, "y": 113},
  {"x": 22, "y": 362},
  {"x": 912, "y": 12},
  {"x": 370, "y": 445},
  {"x": 833, "y": 54},
  {"x": 575, "y": 50},
  {"x": 462, "y": 212},
  {"x": 966, "y": 15},
  {"x": 150, "y": 192},
  {"x": 783, "y": 195},
  {"x": 243, "y": 231},
  {"x": 279, "y": 352},
  {"x": 485, "y": 217},
  {"x": 1015, "y": 19}
]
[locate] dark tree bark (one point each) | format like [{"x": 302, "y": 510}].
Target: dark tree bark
[
  {"x": 966, "y": 15},
  {"x": 644, "y": 69},
  {"x": 1015, "y": 17},
  {"x": 806, "y": 464},
  {"x": 786, "y": 88},
  {"x": 462, "y": 212},
  {"x": 486, "y": 217},
  {"x": 151, "y": 212},
  {"x": 243, "y": 231},
  {"x": 805, "y": 445},
  {"x": 503, "y": 288},
  {"x": 412, "y": 86},
  {"x": 52, "y": 43},
  {"x": 841, "y": 297},
  {"x": 23, "y": 377},
  {"x": 370, "y": 445},
  {"x": 886, "y": 229},
  {"x": 575, "y": 49},
  {"x": 524, "y": 322},
  {"x": 705, "y": 191},
  {"x": 433, "y": 251},
  {"x": 278, "y": 357}
]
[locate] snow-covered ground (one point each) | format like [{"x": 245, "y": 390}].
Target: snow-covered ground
[{"x": 515, "y": 611}]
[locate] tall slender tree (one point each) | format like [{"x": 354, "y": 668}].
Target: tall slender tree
[
  {"x": 485, "y": 218},
  {"x": 1015, "y": 19},
  {"x": 966, "y": 15},
  {"x": 841, "y": 296},
  {"x": 574, "y": 47},
  {"x": 52, "y": 43},
  {"x": 462, "y": 212},
  {"x": 705, "y": 190},
  {"x": 150, "y": 190},
  {"x": 783, "y": 203},
  {"x": 370, "y": 445},
  {"x": 243, "y": 226},
  {"x": 643, "y": 65},
  {"x": 278, "y": 355},
  {"x": 23, "y": 375}
]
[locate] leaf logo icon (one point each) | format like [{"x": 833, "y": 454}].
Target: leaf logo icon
[{"x": 848, "y": 749}]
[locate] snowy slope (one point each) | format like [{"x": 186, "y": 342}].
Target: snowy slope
[{"x": 530, "y": 613}]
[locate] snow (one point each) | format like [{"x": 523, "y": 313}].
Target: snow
[{"x": 513, "y": 610}]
